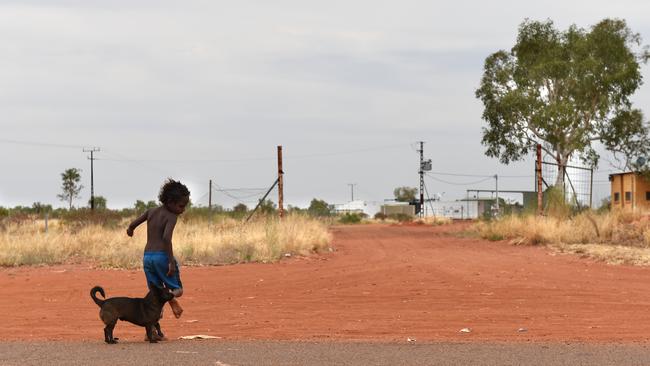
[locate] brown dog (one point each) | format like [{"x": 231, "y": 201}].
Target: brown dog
[{"x": 144, "y": 312}]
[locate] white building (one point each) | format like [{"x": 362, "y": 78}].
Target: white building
[{"x": 351, "y": 207}]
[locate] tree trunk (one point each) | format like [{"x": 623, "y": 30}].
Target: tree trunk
[{"x": 561, "y": 173}]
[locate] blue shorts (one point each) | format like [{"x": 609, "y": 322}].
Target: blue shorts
[{"x": 156, "y": 266}]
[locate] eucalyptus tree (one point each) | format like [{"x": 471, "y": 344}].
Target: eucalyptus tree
[{"x": 566, "y": 90}]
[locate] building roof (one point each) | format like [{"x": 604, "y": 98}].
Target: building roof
[{"x": 623, "y": 173}]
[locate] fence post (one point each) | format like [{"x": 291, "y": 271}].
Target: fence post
[
  {"x": 538, "y": 173},
  {"x": 280, "y": 184}
]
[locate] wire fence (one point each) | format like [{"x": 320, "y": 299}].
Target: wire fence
[{"x": 577, "y": 183}]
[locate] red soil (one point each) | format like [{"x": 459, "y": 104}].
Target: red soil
[{"x": 383, "y": 283}]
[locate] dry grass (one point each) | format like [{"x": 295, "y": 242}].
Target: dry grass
[
  {"x": 615, "y": 237},
  {"x": 195, "y": 242},
  {"x": 429, "y": 220},
  {"x": 434, "y": 220}
]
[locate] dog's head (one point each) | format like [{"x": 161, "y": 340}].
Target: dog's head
[{"x": 163, "y": 294}]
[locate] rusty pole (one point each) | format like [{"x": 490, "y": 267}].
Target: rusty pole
[
  {"x": 540, "y": 194},
  {"x": 280, "y": 184}
]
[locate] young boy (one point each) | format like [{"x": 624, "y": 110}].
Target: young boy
[{"x": 160, "y": 267}]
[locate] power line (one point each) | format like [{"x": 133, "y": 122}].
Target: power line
[
  {"x": 481, "y": 175},
  {"x": 461, "y": 184},
  {"x": 238, "y": 198},
  {"x": 45, "y": 144},
  {"x": 304, "y": 156}
]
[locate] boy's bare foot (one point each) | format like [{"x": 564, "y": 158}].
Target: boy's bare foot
[{"x": 176, "y": 308}]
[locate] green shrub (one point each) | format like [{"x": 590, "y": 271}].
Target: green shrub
[
  {"x": 380, "y": 216},
  {"x": 350, "y": 218}
]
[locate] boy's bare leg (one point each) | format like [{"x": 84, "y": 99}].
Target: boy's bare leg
[{"x": 176, "y": 308}]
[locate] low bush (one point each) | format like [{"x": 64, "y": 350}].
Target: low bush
[
  {"x": 380, "y": 216},
  {"x": 350, "y": 218}
]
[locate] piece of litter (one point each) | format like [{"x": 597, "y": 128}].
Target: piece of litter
[
  {"x": 287, "y": 254},
  {"x": 191, "y": 321},
  {"x": 61, "y": 271},
  {"x": 410, "y": 339},
  {"x": 199, "y": 336},
  {"x": 466, "y": 330},
  {"x": 522, "y": 330}
]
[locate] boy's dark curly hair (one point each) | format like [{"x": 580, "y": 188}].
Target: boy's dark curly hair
[{"x": 172, "y": 191}]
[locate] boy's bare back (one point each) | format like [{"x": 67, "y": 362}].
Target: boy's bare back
[{"x": 160, "y": 227}]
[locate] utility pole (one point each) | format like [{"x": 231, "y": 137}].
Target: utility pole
[
  {"x": 210, "y": 196},
  {"x": 92, "y": 179},
  {"x": 352, "y": 190},
  {"x": 421, "y": 151},
  {"x": 280, "y": 184}
]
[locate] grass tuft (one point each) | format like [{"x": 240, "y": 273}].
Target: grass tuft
[
  {"x": 196, "y": 242},
  {"x": 614, "y": 237}
]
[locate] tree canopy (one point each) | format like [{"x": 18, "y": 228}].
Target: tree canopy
[
  {"x": 70, "y": 185},
  {"x": 320, "y": 208},
  {"x": 140, "y": 206},
  {"x": 405, "y": 194},
  {"x": 100, "y": 202},
  {"x": 240, "y": 207},
  {"x": 565, "y": 90}
]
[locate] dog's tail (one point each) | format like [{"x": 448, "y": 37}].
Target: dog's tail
[{"x": 93, "y": 293}]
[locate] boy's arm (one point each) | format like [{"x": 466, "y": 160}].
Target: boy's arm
[
  {"x": 136, "y": 222},
  {"x": 167, "y": 240}
]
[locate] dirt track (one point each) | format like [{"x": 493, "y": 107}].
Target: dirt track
[{"x": 384, "y": 283}]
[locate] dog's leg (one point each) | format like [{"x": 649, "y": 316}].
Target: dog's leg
[
  {"x": 150, "y": 336},
  {"x": 108, "y": 333},
  {"x": 159, "y": 331}
]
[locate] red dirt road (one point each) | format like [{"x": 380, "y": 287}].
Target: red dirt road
[{"x": 383, "y": 283}]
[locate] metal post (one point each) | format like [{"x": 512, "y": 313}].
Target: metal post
[
  {"x": 496, "y": 180},
  {"x": 352, "y": 191},
  {"x": 591, "y": 188},
  {"x": 210, "y": 196},
  {"x": 538, "y": 173},
  {"x": 262, "y": 200},
  {"x": 421, "y": 172},
  {"x": 280, "y": 184}
]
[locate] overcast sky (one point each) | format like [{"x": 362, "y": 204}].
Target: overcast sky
[{"x": 200, "y": 90}]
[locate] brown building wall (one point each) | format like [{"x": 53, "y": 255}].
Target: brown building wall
[{"x": 630, "y": 191}]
